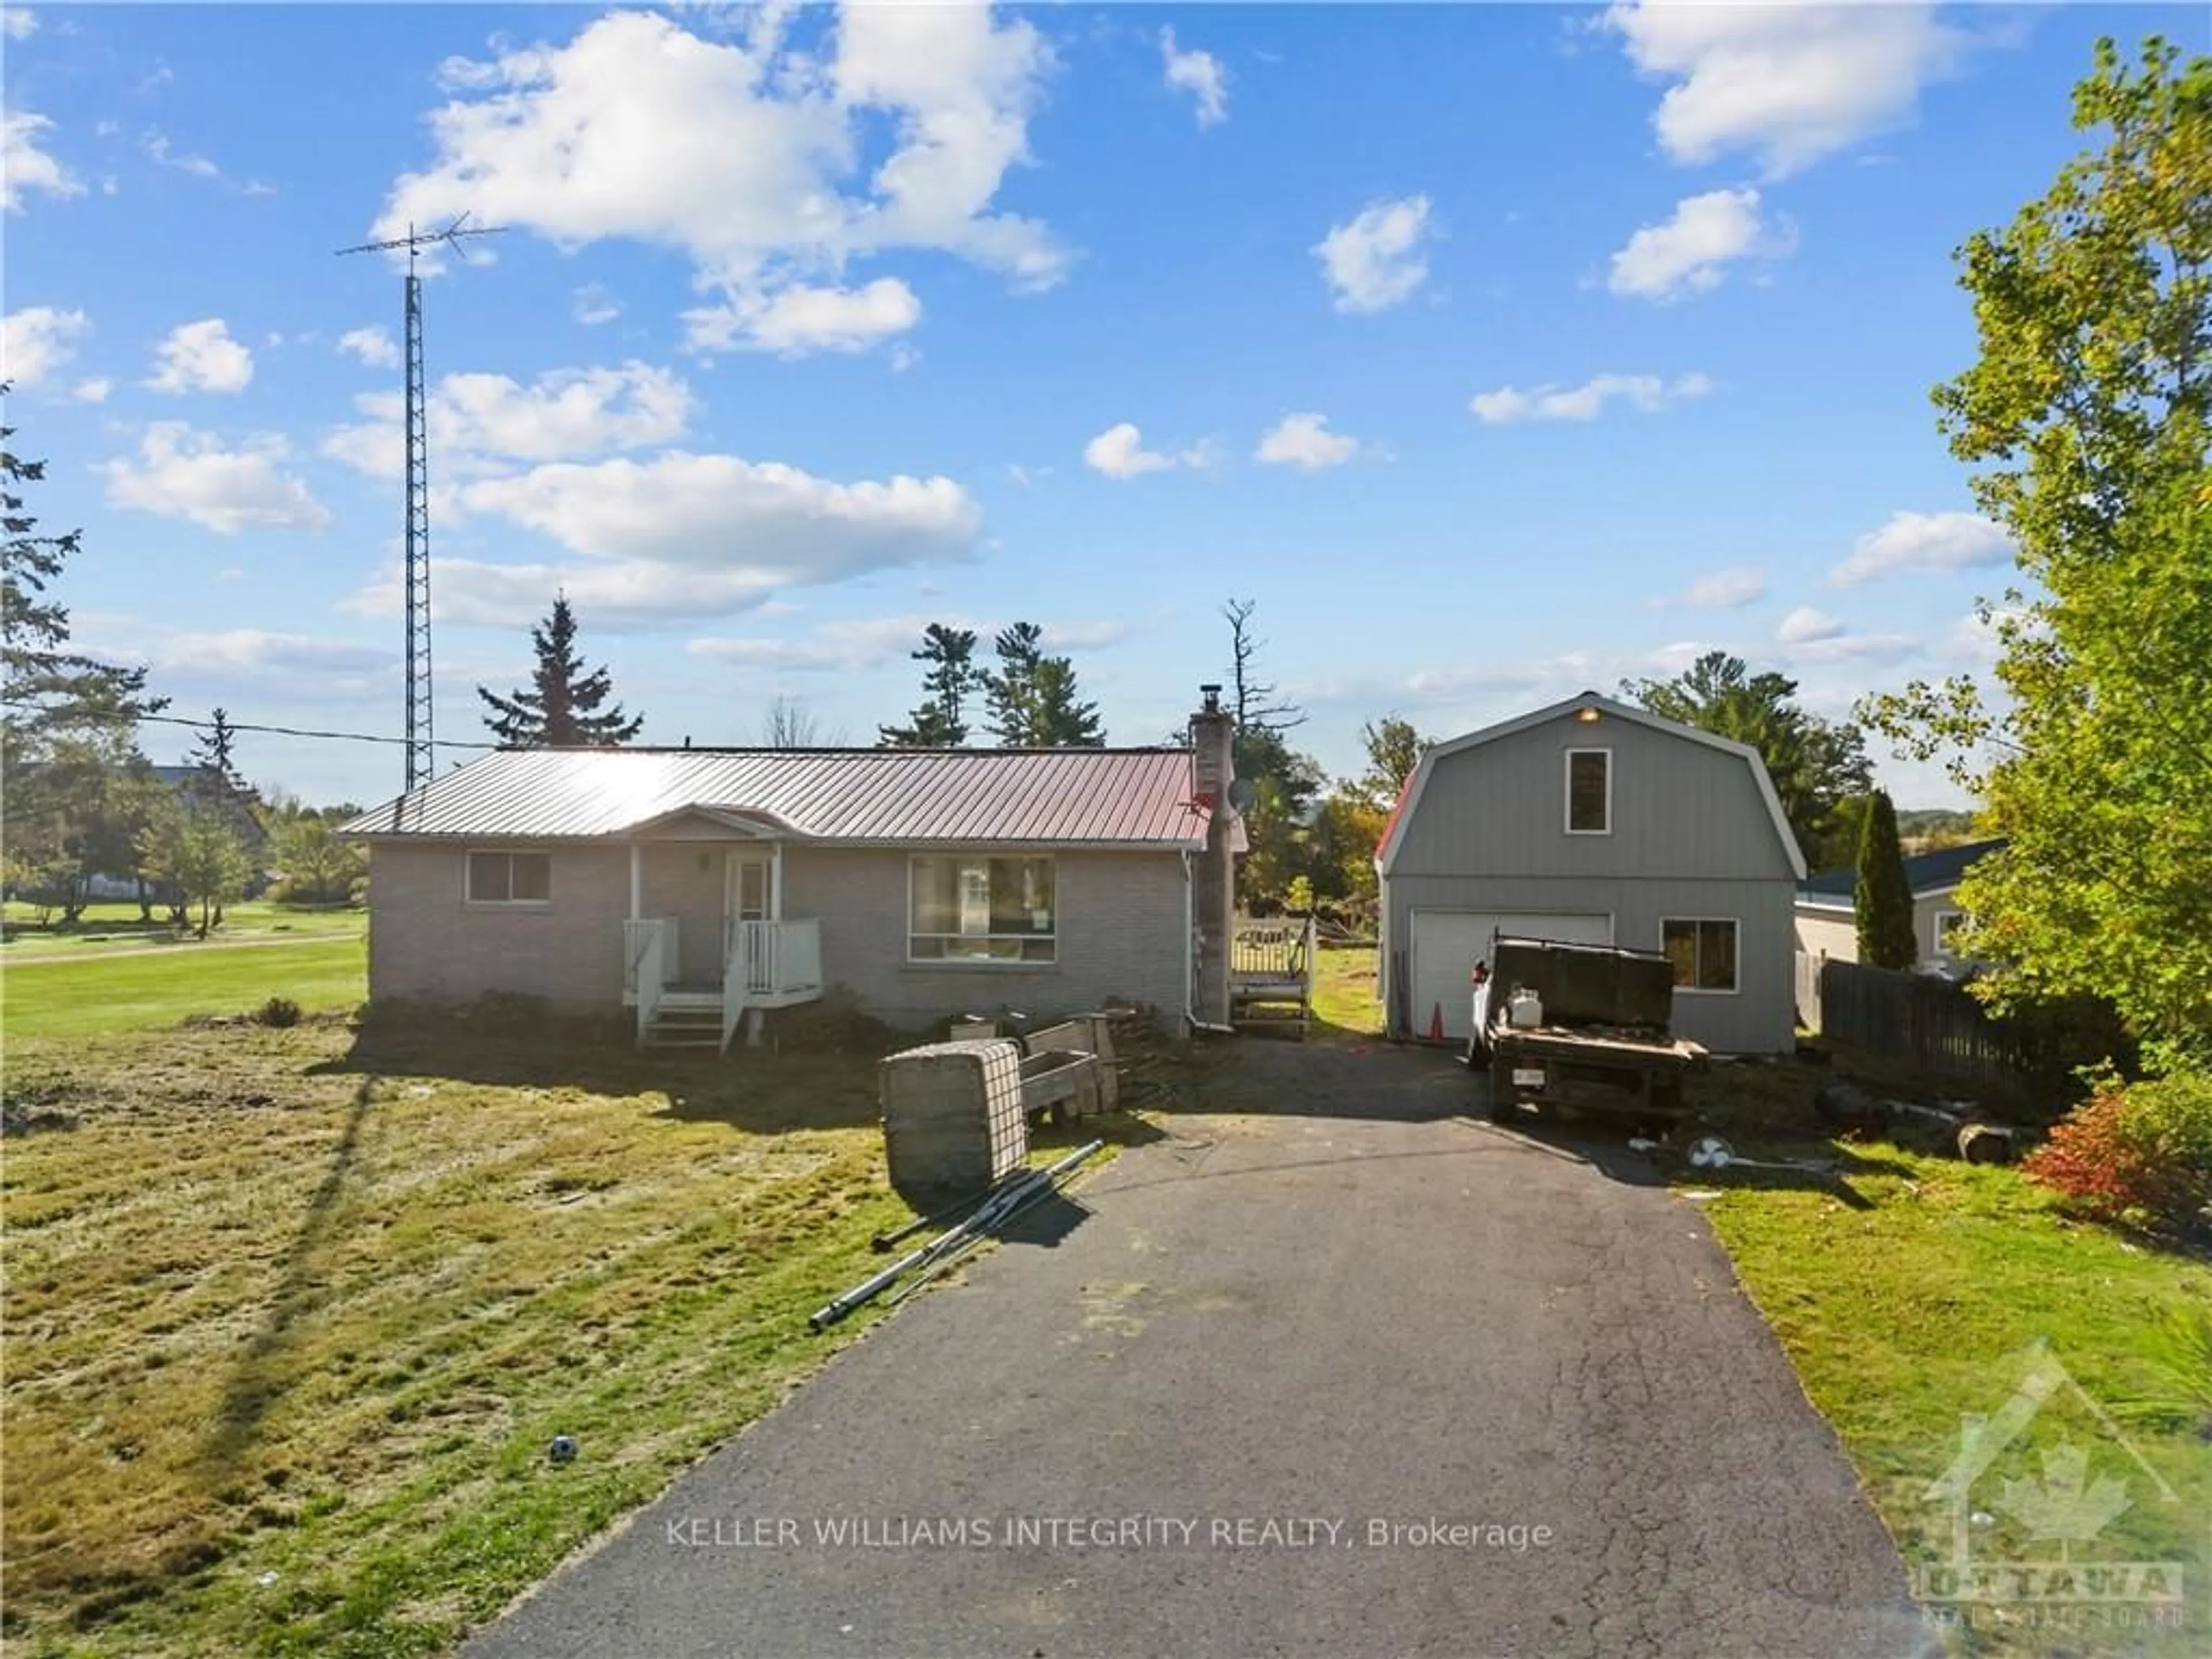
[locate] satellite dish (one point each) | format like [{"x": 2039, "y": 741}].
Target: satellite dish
[{"x": 1241, "y": 794}]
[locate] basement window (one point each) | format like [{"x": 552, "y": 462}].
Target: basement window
[
  {"x": 1589, "y": 792},
  {"x": 980, "y": 909},
  {"x": 1702, "y": 952},
  {"x": 510, "y": 878}
]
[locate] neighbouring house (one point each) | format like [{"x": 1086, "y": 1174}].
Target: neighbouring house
[
  {"x": 702, "y": 888},
  {"x": 1595, "y": 822},
  {"x": 1827, "y": 925},
  {"x": 197, "y": 789}
]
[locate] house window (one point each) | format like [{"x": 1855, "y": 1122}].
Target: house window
[
  {"x": 1702, "y": 952},
  {"x": 510, "y": 878},
  {"x": 1948, "y": 924},
  {"x": 1589, "y": 792},
  {"x": 963, "y": 908}
]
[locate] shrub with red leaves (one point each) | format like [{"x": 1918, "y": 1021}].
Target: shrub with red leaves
[{"x": 2141, "y": 1156}]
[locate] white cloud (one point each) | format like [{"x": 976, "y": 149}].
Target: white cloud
[
  {"x": 1855, "y": 647},
  {"x": 685, "y": 536},
  {"x": 38, "y": 340},
  {"x": 1200, "y": 74},
  {"x": 18, "y": 23},
  {"x": 275, "y": 656},
  {"x": 716, "y": 511},
  {"x": 165, "y": 154},
  {"x": 1648, "y": 393},
  {"x": 1119, "y": 451},
  {"x": 1374, "y": 260},
  {"x": 474, "y": 419},
  {"x": 201, "y": 358},
  {"x": 1789, "y": 83},
  {"x": 26, "y": 167},
  {"x": 93, "y": 390},
  {"x": 1805, "y": 625},
  {"x": 1923, "y": 542},
  {"x": 1720, "y": 590},
  {"x": 372, "y": 345},
  {"x": 180, "y": 473},
  {"x": 1689, "y": 253},
  {"x": 594, "y": 305},
  {"x": 1304, "y": 441},
  {"x": 794, "y": 321},
  {"x": 748, "y": 156}
]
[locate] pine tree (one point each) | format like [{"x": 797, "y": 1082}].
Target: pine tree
[
  {"x": 1881, "y": 902},
  {"x": 940, "y": 721},
  {"x": 562, "y": 706},
  {"x": 1032, "y": 697},
  {"x": 212, "y": 754}
]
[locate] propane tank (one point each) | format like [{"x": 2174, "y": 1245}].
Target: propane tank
[{"x": 1525, "y": 1010}]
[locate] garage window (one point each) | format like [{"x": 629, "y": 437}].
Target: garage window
[
  {"x": 510, "y": 878},
  {"x": 1702, "y": 952},
  {"x": 1589, "y": 792},
  {"x": 977, "y": 910}
]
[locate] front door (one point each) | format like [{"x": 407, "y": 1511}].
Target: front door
[{"x": 747, "y": 897}]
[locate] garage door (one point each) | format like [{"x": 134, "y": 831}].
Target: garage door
[{"x": 1447, "y": 944}]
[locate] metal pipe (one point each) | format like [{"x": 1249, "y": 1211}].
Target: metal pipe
[
  {"x": 923, "y": 1223},
  {"x": 994, "y": 1209},
  {"x": 1035, "y": 1192}
]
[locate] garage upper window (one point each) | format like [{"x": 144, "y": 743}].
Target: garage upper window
[
  {"x": 1702, "y": 952},
  {"x": 1589, "y": 792},
  {"x": 510, "y": 878}
]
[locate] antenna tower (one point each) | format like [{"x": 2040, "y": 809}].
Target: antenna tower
[{"x": 419, "y": 745}]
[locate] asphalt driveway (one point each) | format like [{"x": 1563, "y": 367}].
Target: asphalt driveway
[{"x": 1359, "y": 1374}]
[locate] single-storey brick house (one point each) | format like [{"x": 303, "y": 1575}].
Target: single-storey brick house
[
  {"x": 703, "y": 887},
  {"x": 1598, "y": 823}
]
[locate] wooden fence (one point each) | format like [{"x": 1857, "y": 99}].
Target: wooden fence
[{"x": 1916, "y": 1020}]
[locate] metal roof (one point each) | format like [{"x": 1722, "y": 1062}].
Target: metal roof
[
  {"x": 1924, "y": 873},
  {"x": 1101, "y": 796}
]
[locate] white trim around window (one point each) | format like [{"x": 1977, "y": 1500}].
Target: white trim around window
[
  {"x": 1711, "y": 952},
  {"x": 1567, "y": 806},
  {"x": 506, "y": 878},
  {"x": 998, "y": 910},
  {"x": 1941, "y": 923}
]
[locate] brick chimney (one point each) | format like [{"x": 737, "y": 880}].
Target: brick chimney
[{"x": 1213, "y": 768}]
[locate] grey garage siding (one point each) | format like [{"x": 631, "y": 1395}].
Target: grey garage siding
[
  {"x": 1760, "y": 1017},
  {"x": 1680, "y": 808},
  {"x": 1692, "y": 837},
  {"x": 1123, "y": 930}
]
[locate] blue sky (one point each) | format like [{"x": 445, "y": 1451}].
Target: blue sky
[{"x": 1497, "y": 351}]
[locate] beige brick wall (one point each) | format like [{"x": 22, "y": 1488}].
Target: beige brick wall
[
  {"x": 1121, "y": 931},
  {"x": 426, "y": 942}
]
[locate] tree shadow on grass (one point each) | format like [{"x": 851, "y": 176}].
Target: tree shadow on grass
[{"x": 302, "y": 1289}]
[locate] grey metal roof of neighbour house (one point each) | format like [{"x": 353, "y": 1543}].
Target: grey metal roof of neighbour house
[
  {"x": 1924, "y": 873},
  {"x": 1094, "y": 797}
]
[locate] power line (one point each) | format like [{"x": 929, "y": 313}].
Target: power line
[{"x": 297, "y": 732}]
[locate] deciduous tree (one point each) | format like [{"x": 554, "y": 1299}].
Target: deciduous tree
[
  {"x": 194, "y": 853},
  {"x": 564, "y": 705},
  {"x": 2089, "y": 412}
]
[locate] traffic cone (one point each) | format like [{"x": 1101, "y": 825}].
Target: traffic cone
[{"x": 1436, "y": 1024}]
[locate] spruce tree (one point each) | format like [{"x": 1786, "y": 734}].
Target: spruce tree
[
  {"x": 1881, "y": 902},
  {"x": 563, "y": 705}
]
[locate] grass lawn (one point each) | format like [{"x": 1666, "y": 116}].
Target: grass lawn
[
  {"x": 290, "y": 1325},
  {"x": 1911, "y": 1293},
  {"x": 101, "y": 994},
  {"x": 106, "y": 928},
  {"x": 1344, "y": 1004}
]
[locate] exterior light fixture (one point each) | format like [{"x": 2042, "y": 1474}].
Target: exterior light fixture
[{"x": 1587, "y": 716}]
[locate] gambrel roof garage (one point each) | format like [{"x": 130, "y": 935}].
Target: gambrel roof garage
[{"x": 1595, "y": 821}]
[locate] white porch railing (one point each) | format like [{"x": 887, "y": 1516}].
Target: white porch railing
[
  {"x": 637, "y": 934},
  {"x": 648, "y": 963},
  {"x": 771, "y": 958}
]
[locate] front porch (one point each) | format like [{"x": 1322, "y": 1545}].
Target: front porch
[{"x": 720, "y": 953}]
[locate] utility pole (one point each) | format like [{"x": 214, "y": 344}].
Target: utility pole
[{"x": 421, "y": 758}]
